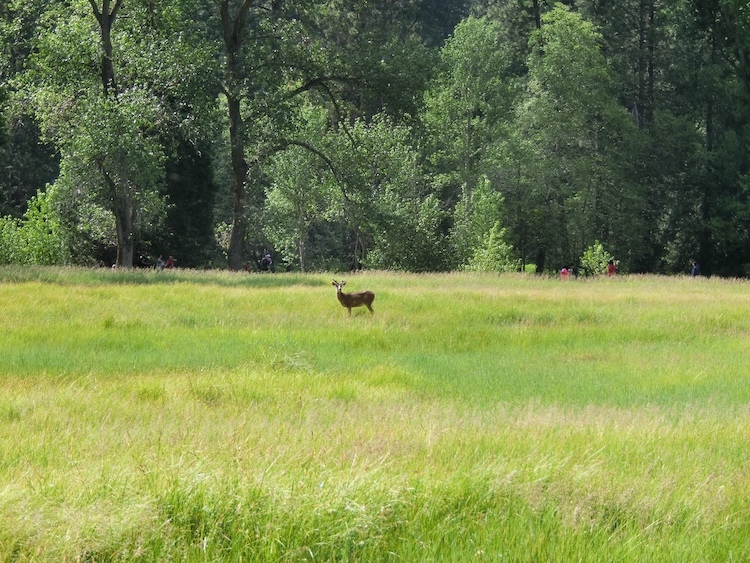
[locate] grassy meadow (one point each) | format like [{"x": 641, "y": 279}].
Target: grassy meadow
[{"x": 214, "y": 416}]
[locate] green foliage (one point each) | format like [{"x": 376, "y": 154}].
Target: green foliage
[
  {"x": 383, "y": 201},
  {"x": 623, "y": 122},
  {"x": 373, "y": 50},
  {"x": 410, "y": 239},
  {"x": 475, "y": 215},
  {"x": 594, "y": 260},
  {"x": 568, "y": 163},
  {"x": 493, "y": 254},
  {"x": 37, "y": 239},
  {"x": 568, "y": 71},
  {"x": 467, "y": 105},
  {"x": 9, "y": 242},
  {"x": 28, "y": 164},
  {"x": 182, "y": 224},
  {"x": 110, "y": 137},
  {"x": 108, "y": 148},
  {"x": 301, "y": 193},
  {"x": 297, "y": 199}
]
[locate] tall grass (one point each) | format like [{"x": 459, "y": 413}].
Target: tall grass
[{"x": 217, "y": 416}]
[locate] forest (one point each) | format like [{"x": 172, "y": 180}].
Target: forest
[{"x": 414, "y": 135}]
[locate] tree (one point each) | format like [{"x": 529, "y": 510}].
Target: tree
[
  {"x": 467, "y": 106},
  {"x": 27, "y": 164},
  {"x": 711, "y": 93},
  {"x": 269, "y": 59},
  {"x": 682, "y": 72},
  {"x": 278, "y": 56},
  {"x": 634, "y": 33},
  {"x": 190, "y": 191},
  {"x": 299, "y": 197},
  {"x": 493, "y": 254},
  {"x": 574, "y": 181},
  {"x": 377, "y": 56},
  {"x": 344, "y": 140},
  {"x": 594, "y": 260},
  {"x": 102, "y": 132},
  {"x": 477, "y": 213},
  {"x": 105, "y": 89},
  {"x": 392, "y": 217},
  {"x": 438, "y": 18}
]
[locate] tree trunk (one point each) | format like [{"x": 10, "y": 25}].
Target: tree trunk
[
  {"x": 239, "y": 180},
  {"x": 646, "y": 54},
  {"x": 233, "y": 30},
  {"x": 126, "y": 215},
  {"x": 537, "y": 11},
  {"x": 123, "y": 206},
  {"x": 106, "y": 19},
  {"x": 302, "y": 253},
  {"x": 650, "y": 99},
  {"x": 539, "y": 262}
]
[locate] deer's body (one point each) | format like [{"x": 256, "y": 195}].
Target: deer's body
[{"x": 357, "y": 299}]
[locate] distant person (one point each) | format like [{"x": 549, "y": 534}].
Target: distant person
[
  {"x": 144, "y": 261},
  {"x": 170, "y": 263},
  {"x": 564, "y": 273},
  {"x": 695, "y": 269},
  {"x": 160, "y": 263},
  {"x": 266, "y": 263},
  {"x": 611, "y": 268}
]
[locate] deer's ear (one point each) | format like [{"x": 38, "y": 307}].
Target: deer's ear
[
  {"x": 334, "y": 282},
  {"x": 343, "y": 282}
]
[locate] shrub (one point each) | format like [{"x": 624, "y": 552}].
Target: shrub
[
  {"x": 594, "y": 260},
  {"x": 8, "y": 240},
  {"x": 37, "y": 239},
  {"x": 493, "y": 254}
]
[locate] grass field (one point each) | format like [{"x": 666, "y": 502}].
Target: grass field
[{"x": 211, "y": 416}]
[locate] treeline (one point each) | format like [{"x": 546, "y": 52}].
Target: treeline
[{"x": 421, "y": 135}]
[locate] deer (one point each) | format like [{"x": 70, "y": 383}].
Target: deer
[{"x": 357, "y": 299}]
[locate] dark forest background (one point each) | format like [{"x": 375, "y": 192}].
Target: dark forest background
[{"x": 422, "y": 135}]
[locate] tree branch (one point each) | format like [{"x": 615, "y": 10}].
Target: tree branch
[
  {"x": 323, "y": 82},
  {"x": 116, "y": 9},
  {"x": 97, "y": 13},
  {"x": 319, "y": 81},
  {"x": 285, "y": 143}
]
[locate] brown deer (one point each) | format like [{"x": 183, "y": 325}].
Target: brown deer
[{"x": 357, "y": 299}]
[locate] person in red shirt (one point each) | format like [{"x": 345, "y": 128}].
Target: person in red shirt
[{"x": 611, "y": 268}]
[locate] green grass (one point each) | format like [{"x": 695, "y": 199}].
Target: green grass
[{"x": 209, "y": 416}]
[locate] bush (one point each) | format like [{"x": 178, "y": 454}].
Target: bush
[
  {"x": 477, "y": 211},
  {"x": 8, "y": 240},
  {"x": 594, "y": 260},
  {"x": 37, "y": 239},
  {"x": 494, "y": 254}
]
